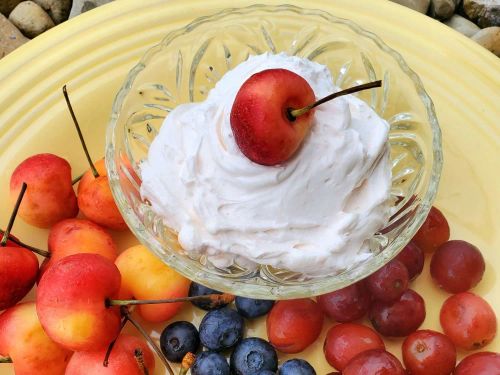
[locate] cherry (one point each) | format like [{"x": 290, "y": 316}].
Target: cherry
[
  {"x": 398, "y": 318},
  {"x": 457, "y": 266},
  {"x": 389, "y": 282},
  {"x": 413, "y": 258},
  {"x": 429, "y": 352},
  {"x": 293, "y": 325},
  {"x": 374, "y": 362},
  {"x": 468, "y": 320},
  {"x": 346, "y": 304},
  {"x": 482, "y": 363},
  {"x": 434, "y": 232},
  {"x": 345, "y": 341}
]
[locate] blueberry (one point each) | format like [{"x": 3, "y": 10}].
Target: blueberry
[
  {"x": 221, "y": 329},
  {"x": 253, "y": 308},
  {"x": 252, "y": 356},
  {"x": 265, "y": 372},
  {"x": 179, "y": 338},
  {"x": 210, "y": 363},
  {"x": 296, "y": 367},
  {"x": 196, "y": 289}
]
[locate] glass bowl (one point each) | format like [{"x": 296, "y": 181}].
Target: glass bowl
[{"x": 188, "y": 63}]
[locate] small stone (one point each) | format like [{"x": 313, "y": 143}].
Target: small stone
[
  {"x": 82, "y": 6},
  {"x": 418, "y": 5},
  {"x": 442, "y": 9},
  {"x": 462, "y": 25},
  {"x": 31, "y": 19},
  {"x": 485, "y": 13},
  {"x": 10, "y": 37},
  {"x": 489, "y": 38},
  {"x": 58, "y": 10},
  {"x": 7, "y": 6}
]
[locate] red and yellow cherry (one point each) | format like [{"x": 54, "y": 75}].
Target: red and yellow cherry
[
  {"x": 122, "y": 360},
  {"x": 345, "y": 341},
  {"x": 468, "y": 320},
  {"x": 375, "y": 361},
  {"x": 95, "y": 199},
  {"x": 293, "y": 325},
  {"x": 346, "y": 304},
  {"x": 273, "y": 112},
  {"x": 429, "y": 352},
  {"x": 71, "y": 302},
  {"x": 73, "y": 236},
  {"x": 144, "y": 276},
  {"x": 50, "y": 196},
  {"x": 434, "y": 231},
  {"x": 482, "y": 363},
  {"x": 18, "y": 266},
  {"x": 24, "y": 341}
]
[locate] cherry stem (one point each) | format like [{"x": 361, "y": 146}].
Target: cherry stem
[
  {"x": 187, "y": 362},
  {"x": 214, "y": 299},
  {"x": 13, "y": 215},
  {"x": 76, "y": 179},
  {"x": 126, "y": 313},
  {"x": 41, "y": 252},
  {"x": 80, "y": 135},
  {"x": 294, "y": 113},
  {"x": 5, "y": 360},
  {"x": 139, "y": 357},
  {"x": 105, "y": 363}
]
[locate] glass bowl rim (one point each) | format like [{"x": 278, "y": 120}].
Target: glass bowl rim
[{"x": 231, "y": 284}]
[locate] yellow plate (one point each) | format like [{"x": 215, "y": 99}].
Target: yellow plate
[{"x": 94, "y": 52}]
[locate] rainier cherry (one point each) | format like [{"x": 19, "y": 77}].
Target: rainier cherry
[
  {"x": 272, "y": 114},
  {"x": 50, "y": 196}
]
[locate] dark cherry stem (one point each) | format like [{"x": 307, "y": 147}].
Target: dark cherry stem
[
  {"x": 76, "y": 179},
  {"x": 139, "y": 357},
  {"x": 5, "y": 360},
  {"x": 126, "y": 314},
  {"x": 292, "y": 114},
  {"x": 80, "y": 135},
  {"x": 105, "y": 363},
  {"x": 6, "y": 234},
  {"x": 41, "y": 252},
  {"x": 215, "y": 300}
]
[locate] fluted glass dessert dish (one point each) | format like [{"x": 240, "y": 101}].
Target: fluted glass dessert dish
[{"x": 189, "y": 62}]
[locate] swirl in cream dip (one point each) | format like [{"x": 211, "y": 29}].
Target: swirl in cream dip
[{"x": 313, "y": 214}]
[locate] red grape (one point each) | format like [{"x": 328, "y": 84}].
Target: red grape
[
  {"x": 375, "y": 361},
  {"x": 429, "y": 352},
  {"x": 482, "y": 363},
  {"x": 399, "y": 318},
  {"x": 345, "y": 341},
  {"x": 388, "y": 283},
  {"x": 347, "y": 304},
  {"x": 457, "y": 266},
  {"x": 293, "y": 325},
  {"x": 413, "y": 258},
  {"x": 434, "y": 232},
  {"x": 468, "y": 320}
]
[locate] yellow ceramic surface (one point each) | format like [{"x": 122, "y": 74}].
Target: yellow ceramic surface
[{"x": 94, "y": 52}]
